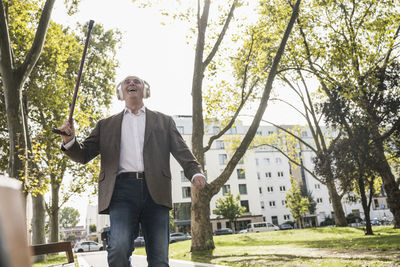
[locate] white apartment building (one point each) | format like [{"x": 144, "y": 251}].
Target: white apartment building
[{"x": 262, "y": 178}]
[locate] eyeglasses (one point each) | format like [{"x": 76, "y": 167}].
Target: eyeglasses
[{"x": 134, "y": 80}]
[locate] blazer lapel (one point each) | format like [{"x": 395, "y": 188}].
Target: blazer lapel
[
  {"x": 150, "y": 118},
  {"x": 116, "y": 131}
]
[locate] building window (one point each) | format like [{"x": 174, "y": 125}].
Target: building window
[
  {"x": 240, "y": 174},
  {"x": 272, "y": 203},
  {"x": 284, "y": 202},
  {"x": 182, "y": 211},
  {"x": 222, "y": 159},
  {"x": 282, "y": 188},
  {"x": 286, "y": 217},
  {"x": 274, "y": 220},
  {"x": 257, "y": 162},
  {"x": 183, "y": 178},
  {"x": 270, "y": 132},
  {"x": 270, "y": 189},
  {"x": 376, "y": 203},
  {"x": 268, "y": 175},
  {"x": 278, "y": 160},
  {"x": 219, "y": 225},
  {"x": 304, "y": 134},
  {"x": 226, "y": 189},
  {"x": 180, "y": 129},
  {"x": 220, "y": 144},
  {"x": 259, "y": 133},
  {"x": 317, "y": 186},
  {"x": 215, "y": 129},
  {"x": 262, "y": 205},
  {"x": 258, "y": 176},
  {"x": 280, "y": 174},
  {"x": 260, "y": 190},
  {"x": 245, "y": 203},
  {"x": 186, "y": 192},
  {"x": 264, "y": 219},
  {"x": 352, "y": 199},
  {"x": 266, "y": 160},
  {"x": 233, "y": 130},
  {"x": 319, "y": 200},
  {"x": 243, "y": 189}
]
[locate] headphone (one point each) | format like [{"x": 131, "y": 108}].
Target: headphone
[{"x": 146, "y": 89}]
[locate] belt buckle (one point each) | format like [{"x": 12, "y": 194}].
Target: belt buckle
[{"x": 138, "y": 175}]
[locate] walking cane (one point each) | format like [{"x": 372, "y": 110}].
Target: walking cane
[{"x": 78, "y": 81}]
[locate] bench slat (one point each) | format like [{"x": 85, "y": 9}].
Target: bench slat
[{"x": 54, "y": 248}]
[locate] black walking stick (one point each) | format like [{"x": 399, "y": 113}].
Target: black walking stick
[{"x": 78, "y": 81}]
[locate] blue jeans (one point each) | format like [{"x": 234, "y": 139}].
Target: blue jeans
[{"x": 130, "y": 206}]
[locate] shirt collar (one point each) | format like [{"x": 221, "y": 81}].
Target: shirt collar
[{"x": 142, "y": 110}]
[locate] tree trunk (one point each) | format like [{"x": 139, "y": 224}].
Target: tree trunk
[
  {"x": 389, "y": 183},
  {"x": 201, "y": 229},
  {"x": 38, "y": 224},
  {"x": 54, "y": 227},
  {"x": 365, "y": 206},
  {"x": 340, "y": 217},
  {"x": 202, "y": 238},
  {"x": 200, "y": 211},
  {"x": 15, "y": 128}
]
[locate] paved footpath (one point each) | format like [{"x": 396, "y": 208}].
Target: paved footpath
[{"x": 99, "y": 259}]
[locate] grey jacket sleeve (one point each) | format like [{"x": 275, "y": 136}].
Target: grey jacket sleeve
[
  {"x": 182, "y": 153},
  {"x": 88, "y": 149}
]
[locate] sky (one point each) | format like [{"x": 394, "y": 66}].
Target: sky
[{"x": 157, "y": 53}]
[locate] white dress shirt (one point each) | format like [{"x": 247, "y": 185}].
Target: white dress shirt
[{"x": 132, "y": 140}]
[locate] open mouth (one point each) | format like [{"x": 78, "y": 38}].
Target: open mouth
[{"x": 132, "y": 90}]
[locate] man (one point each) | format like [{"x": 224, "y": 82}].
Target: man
[{"x": 135, "y": 178}]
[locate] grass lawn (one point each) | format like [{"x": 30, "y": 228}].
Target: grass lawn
[
  {"x": 327, "y": 247},
  {"x": 54, "y": 260}
]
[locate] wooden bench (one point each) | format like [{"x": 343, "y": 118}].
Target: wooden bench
[{"x": 55, "y": 248}]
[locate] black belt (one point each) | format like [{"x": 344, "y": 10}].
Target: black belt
[{"x": 136, "y": 175}]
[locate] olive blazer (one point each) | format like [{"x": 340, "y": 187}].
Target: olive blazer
[{"x": 160, "y": 140}]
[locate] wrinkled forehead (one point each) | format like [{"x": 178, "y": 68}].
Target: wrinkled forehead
[{"x": 132, "y": 77}]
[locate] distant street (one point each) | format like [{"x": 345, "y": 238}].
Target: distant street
[{"x": 99, "y": 259}]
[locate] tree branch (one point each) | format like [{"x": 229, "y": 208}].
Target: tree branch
[
  {"x": 221, "y": 36},
  {"x": 293, "y": 135},
  {"x": 25, "y": 69},
  {"x": 6, "y": 59},
  {"x": 295, "y": 162},
  {"x": 243, "y": 101},
  {"x": 224, "y": 176},
  {"x": 289, "y": 104},
  {"x": 387, "y": 134}
]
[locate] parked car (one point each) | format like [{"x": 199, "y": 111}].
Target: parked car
[
  {"x": 175, "y": 237},
  {"x": 243, "y": 231},
  {"x": 139, "y": 241},
  {"x": 285, "y": 226},
  {"x": 86, "y": 246},
  {"x": 223, "y": 231},
  {"x": 375, "y": 221},
  {"x": 261, "y": 227}
]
